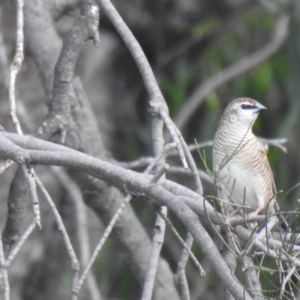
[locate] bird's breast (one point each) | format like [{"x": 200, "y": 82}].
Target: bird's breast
[{"x": 240, "y": 184}]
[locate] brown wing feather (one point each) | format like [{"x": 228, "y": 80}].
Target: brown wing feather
[{"x": 263, "y": 149}]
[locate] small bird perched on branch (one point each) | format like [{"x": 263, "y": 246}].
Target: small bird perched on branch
[{"x": 240, "y": 160}]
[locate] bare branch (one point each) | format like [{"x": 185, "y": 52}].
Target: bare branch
[
  {"x": 109, "y": 229},
  {"x": 251, "y": 277},
  {"x": 181, "y": 171},
  {"x": 16, "y": 65},
  {"x": 175, "y": 136},
  {"x": 157, "y": 241},
  {"x": 181, "y": 268},
  {"x": 86, "y": 28},
  {"x": 287, "y": 279},
  {"x": 29, "y": 175},
  {"x": 66, "y": 239},
  {"x": 101, "y": 243},
  {"x": 82, "y": 230},
  {"x": 158, "y": 106},
  {"x": 160, "y": 225},
  {"x": 133, "y": 182},
  {"x": 191, "y": 164},
  {"x": 145, "y": 161},
  {"x": 139, "y": 163},
  {"x": 20, "y": 243},
  {"x": 185, "y": 245},
  {"x": 4, "y": 284},
  {"x": 278, "y": 143},
  {"x": 17, "y": 202}
]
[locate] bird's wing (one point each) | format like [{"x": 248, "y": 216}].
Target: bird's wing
[
  {"x": 262, "y": 146},
  {"x": 263, "y": 151}
]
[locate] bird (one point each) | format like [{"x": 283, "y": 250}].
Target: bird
[{"x": 240, "y": 161}]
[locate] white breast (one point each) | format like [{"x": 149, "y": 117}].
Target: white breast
[{"x": 240, "y": 185}]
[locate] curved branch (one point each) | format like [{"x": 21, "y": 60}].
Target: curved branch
[
  {"x": 86, "y": 28},
  {"x": 134, "y": 183},
  {"x": 158, "y": 106},
  {"x": 17, "y": 202}
]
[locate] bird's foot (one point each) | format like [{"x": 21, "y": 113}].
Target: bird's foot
[
  {"x": 233, "y": 213},
  {"x": 253, "y": 214}
]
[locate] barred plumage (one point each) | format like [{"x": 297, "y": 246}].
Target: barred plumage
[{"x": 240, "y": 160}]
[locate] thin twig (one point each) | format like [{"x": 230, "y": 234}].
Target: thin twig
[
  {"x": 157, "y": 241},
  {"x": 286, "y": 280},
  {"x": 160, "y": 173},
  {"x": 251, "y": 277},
  {"x": 20, "y": 243},
  {"x": 11, "y": 72},
  {"x": 110, "y": 227},
  {"x": 101, "y": 242},
  {"x": 4, "y": 283},
  {"x": 82, "y": 230},
  {"x": 278, "y": 255},
  {"x": 199, "y": 189},
  {"x": 191, "y": 163},
  {"x": 184, "y": 244},
  {"x": 197, "y": 146},
  {"x": 181, "y": 171},
  {"x": 159, "y": 157},
  {"x": 264, "y": 232},
  {"x": 185, "y": 292},
  {"x": 139, "y": 163},
  {"x": 14, "y": 69},
  {"x": 29, "y": 175},
  {"x": 144, "y": 161},
  {"x": 16, "y": 65},
  {"x": 278, "y": 143},
  {"x": 150, "y": 162},
  {"x": 175, "y": 136},
  {"x": 160, "y": 225},
  {"x": 66, "y": 239}
]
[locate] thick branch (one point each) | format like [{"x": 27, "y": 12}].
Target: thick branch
[
  {"x": 17, "y": 202},
  {"x": 85, "y": 28},
  {"x": 136, "y": 183}
]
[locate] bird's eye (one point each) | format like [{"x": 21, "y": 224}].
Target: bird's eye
[{"x": 246, "y": 106}]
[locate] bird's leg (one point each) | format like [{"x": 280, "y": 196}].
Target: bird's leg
[
  {"x": 233, "y": 213},
  {"x": 253, "y": 214},
  {"x": 229, "y": 217}
]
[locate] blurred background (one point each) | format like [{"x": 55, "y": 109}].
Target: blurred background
[{"x": 191, "y": 45}]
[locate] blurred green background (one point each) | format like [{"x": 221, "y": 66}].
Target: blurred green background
[{"x": 187, "y": 42}]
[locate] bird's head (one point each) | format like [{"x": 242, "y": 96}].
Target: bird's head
[{"x": 243, "y": 112}]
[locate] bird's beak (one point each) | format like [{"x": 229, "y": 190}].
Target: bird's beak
[{"x": 259, "y": 107}]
